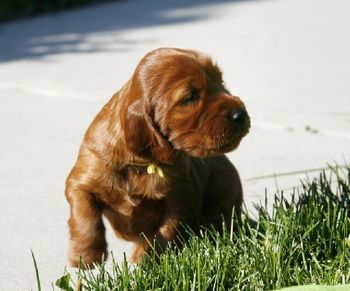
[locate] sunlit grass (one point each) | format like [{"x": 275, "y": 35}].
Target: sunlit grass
[{"x": 304, "y": 240}]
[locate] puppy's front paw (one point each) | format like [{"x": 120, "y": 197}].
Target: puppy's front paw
[{"x": 87, "y": 256}]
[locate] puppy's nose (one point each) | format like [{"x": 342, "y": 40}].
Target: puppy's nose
[{"x": 239, "y": 116}]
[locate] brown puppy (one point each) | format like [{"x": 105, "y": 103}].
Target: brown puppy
[{"x": 153, "y": 157}]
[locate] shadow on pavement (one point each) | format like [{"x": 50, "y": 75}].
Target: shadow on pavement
[{"x": 74, "y": 31}]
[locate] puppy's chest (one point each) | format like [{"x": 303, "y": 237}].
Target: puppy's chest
[
  {"x": 138, "y": 181},
  {"x": 130, "y": 187}
]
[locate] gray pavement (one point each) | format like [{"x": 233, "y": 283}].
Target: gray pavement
[{"x": 289, "y": 61}]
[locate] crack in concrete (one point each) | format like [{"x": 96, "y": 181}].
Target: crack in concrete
[
  {"x": 45, "y": 92},
  {"x": 286, "y": 128}
]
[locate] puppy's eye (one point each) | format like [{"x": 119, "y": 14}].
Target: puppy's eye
[{"x": 191, "y": 98}]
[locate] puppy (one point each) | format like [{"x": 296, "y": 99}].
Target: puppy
[{"x": 153, "y": 158}]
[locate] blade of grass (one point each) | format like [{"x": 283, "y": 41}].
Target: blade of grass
[{"x": 36, "y": 271}]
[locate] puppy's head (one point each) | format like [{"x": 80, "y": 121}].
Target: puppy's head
[{"x": 177, "y": 102}]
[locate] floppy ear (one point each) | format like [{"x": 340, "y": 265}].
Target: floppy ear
[{"x": 142, "y": 137}]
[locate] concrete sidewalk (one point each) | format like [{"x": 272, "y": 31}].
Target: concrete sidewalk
[{"x": 288, "y": 60}]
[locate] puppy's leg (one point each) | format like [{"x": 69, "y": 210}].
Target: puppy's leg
[
  {"x": 224, "y": 193},
  {"x": 143, "y": 247},
  {"x": 157, "y": 243},
  {"x": 87, "y": 232},
  {"x": 181, "y": 213}
]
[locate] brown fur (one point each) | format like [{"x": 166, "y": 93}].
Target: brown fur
[{"x": 151, "y": 120}]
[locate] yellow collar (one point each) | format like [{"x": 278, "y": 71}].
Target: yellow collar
[{"x": 151, "y": 168}]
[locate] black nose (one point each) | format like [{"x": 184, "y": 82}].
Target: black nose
[{"x": 239, "y": 116}]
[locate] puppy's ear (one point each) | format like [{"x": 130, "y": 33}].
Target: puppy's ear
[{"x": 142, "y": 136}]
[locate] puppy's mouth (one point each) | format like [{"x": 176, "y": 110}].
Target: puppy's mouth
[
  {"x": 230, "y": 141},
  {"x": 202, "y": 150},
  {"x": 199, "y": 144},
  {"x": 227, "y": 146}
]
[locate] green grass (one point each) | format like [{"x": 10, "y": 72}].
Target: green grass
[{"x": 304, "y": 240}]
